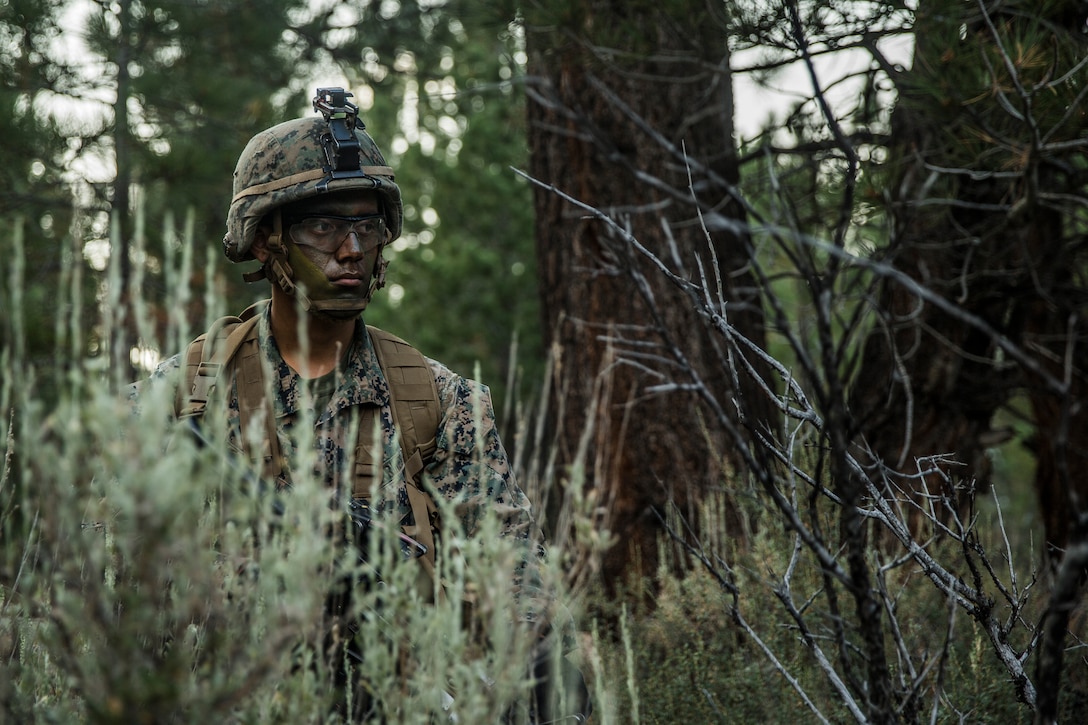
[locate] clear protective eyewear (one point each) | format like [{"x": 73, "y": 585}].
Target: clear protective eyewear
[{"x": 326, "y": 232}]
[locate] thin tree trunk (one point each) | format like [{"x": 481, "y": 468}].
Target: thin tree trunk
[{"x": 120, "y": 211}]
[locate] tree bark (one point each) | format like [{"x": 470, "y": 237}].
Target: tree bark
[
  {"x": 120, "y": 205},
  {"x": 595, "y": 113},
  {"x": 975, "y": 218}
]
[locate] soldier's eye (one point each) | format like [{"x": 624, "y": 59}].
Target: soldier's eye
[
  {"x": 320, "y": 226},
  {"x": 366, "y": 227}
]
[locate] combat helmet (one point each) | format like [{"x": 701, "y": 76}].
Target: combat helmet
[{"x": 300, "y": 159}]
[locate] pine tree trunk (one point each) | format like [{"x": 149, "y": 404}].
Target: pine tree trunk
[
  {"x": 978, "y": 218},
  {"x": 645, "y": 450}
]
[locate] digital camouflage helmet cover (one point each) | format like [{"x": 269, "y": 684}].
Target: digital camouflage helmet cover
[{"x": 297, "y": 160}]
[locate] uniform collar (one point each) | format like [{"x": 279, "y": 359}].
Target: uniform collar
[{"x": 361, "y": 383}]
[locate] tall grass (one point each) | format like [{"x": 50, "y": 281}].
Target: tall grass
[
  {"x": 702, "y": 655},
  {"x": 143, "y": 578}
]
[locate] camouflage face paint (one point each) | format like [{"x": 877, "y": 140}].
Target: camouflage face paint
[{"x": 349, "y": 290}]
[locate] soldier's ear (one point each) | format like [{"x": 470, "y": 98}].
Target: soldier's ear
[
  {"x": 260, "y": 239},
  {"x": 260, "y": 244}
]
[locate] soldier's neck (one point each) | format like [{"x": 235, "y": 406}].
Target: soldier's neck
[{"x": 326, "y": 339}]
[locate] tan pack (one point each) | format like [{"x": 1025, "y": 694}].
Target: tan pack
[{"x": 230, "y": 349}]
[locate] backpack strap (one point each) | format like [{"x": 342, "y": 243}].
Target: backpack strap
[
  {"x": 231, "y": 345},
  {"x": 231, "y": 342},
  {"x": 415, "y": 407},
  {"x": 414, "y": 398},
  {"x": 206, "y": 356}
]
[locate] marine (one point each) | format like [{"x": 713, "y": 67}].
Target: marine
[{"x": 302, "y": 378}]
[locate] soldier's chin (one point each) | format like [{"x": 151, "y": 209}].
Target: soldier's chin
[
  {"x": 340, "y": 314},
  {"x": 336, "y": 302},
  {"x": 341, "y": 306}
]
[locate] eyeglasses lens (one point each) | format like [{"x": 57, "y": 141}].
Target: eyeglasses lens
[{"x": 327, "y": 233}]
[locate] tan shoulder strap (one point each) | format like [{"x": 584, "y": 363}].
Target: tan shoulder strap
[
  {"x": 204, "y": 359},
  {"x": 206, "y": 356},
  {"x": 416, "y": 410},
  {"x": 231, "y": 345},
  {"x": 414, "y": 396}
]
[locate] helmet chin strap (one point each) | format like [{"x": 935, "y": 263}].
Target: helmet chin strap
[{"x": 290, "y": 270}]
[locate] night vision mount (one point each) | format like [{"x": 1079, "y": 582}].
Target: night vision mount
[{"x": 342, "y": 152}]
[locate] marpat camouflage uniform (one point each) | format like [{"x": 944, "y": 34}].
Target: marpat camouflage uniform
[{"x": 470, "y": 468}]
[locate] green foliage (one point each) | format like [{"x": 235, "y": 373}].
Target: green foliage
[
  {"x": 146, "y": 578},
  {"x": 968, "y": 69},
  {"x": 436, "y": 87},
  {"x": 145, "y": 596},
  {"x": 692, "y": 662},
  {"x": 31, "y": 141},
  {"x": 462, "y": 278},
  {"x": 692, "y": 665}
]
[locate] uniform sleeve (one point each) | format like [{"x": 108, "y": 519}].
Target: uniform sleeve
[{"x": 471, "y": 469}]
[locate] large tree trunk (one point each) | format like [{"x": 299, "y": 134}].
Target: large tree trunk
[
  {"x": 981, "y": 217},
  {"x": 988, "y": 212},
  {"x": 590, "y": 109}
]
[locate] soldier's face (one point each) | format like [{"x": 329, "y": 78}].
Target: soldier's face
[
  {"x": 333, "y": 256},
  {"x": 347, "y": 262}
]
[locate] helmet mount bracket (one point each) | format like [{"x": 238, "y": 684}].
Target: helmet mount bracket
[{"x": 342, "y": 152}]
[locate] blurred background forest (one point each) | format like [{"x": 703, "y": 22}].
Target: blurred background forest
[
  {"x": 140, "y": 109},
  {"x": 805, "y": 267}
]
